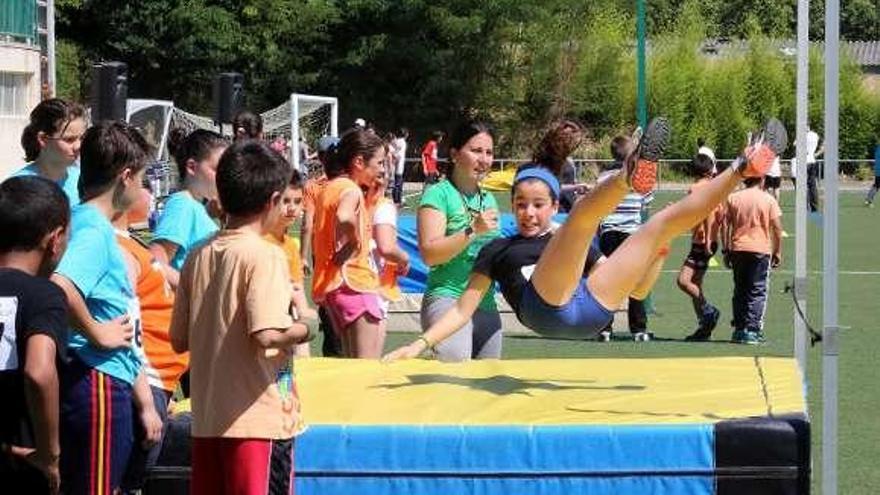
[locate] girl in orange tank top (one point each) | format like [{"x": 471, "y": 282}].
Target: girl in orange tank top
[{"x": 344, "y": 281}]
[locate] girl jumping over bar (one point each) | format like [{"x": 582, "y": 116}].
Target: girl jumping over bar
[{"x": 551, "y": 278}]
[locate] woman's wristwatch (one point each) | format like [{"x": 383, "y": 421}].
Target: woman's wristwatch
[
  {"x": 468, "y": 231},
  {"x": 428, "y": 345}
]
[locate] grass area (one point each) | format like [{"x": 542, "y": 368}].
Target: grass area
[{"x": 859, "y": 283}]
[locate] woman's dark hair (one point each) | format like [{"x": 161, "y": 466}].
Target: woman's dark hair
[
  {"x": 247, "y": 125},
  {"x": 354, "y": 143},
  {"x": 107, "y": 149},
  {"x": 30, "y": 208},
  {"x": 50, "y": 117},
  {"x": 197, "y": 145},
  {"x": 460, "y": 136},
  {"x": 248, "y": 174},
  {"x": 558, "y": 143},
  {"x": 702, "y": 165}
]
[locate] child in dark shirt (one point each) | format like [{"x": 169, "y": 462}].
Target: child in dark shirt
[{"x": 34, "y": 219}]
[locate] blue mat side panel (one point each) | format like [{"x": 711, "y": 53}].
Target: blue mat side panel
[
  {"x": 506, "y": 459},
  {"x": 666, "y": 485}
]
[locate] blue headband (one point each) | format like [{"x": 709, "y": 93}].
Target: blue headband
[{"x": 540, "y": 173}]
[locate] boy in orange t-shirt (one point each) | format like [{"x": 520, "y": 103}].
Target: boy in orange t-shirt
[
  {"x": 232, "y": 313},
  {"x": 704, "y": 243},
  {"x": 753, "y": 244},
  {"x": 162, "y": 365},
  {"x": 291, "y": 210}
]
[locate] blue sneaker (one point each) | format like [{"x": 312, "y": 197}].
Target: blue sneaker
[
  {"x": 744, "y": 337},
  {"x": 706, "y": 324},
  {"x": 710, "y": 317}
]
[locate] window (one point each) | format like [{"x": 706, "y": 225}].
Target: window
[{"x": 14, "y": 95}]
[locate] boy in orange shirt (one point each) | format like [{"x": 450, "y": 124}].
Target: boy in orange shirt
[
  {"x": 162, "y": 366},
  {"x": 704, "y": 243},
  {"x": 753, "y": 244},
  {"x": 291, "y": 210},
  {"x": 232, "y": 314}
]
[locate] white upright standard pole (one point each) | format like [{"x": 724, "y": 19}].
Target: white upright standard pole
[
  {"x": 334, "y": 118},
  {"x": 830, "y": 331},
  {"x": 800, "y": 202},
  {"x": 294, "y": 132},
  {"x": 50, "y": 46}
]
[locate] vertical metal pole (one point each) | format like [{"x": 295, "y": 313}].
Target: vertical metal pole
[
  {"x": 50, "y": 46},
  {"x": 294, "y": 132},
  {"x": 800, "y": 239},
  {"x": 334, "y": 118},
  {"x": 641, "y": 84},
  {"x": 642, "y": 101},
  {"x": 830, "y": 330}
]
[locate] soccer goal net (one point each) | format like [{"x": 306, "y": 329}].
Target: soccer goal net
[{"x": 301, "y": 121}]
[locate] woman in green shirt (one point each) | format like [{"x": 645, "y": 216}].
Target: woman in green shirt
[{"x": 455, "y": 220}]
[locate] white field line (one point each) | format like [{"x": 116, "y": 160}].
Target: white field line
[{"x": 791, "y": 272}]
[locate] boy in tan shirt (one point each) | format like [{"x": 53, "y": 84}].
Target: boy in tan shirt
[
  {"x": 232, "y": 314},
  {"x": 753, "y": 244}
]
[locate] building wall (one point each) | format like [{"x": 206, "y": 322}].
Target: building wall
[{"x": 19, "y": 93}]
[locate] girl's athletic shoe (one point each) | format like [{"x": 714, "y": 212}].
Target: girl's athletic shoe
[
  {"x": 759, "y": 156},
  {"x": 642, "y": 171}
]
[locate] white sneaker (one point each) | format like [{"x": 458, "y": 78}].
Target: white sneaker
[
  {"x": 604, "y": 336},
  {"x": 642, "y": 336}
]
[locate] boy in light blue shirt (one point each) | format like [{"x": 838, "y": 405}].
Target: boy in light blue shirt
[
  {"x": 185, "y": 222},
  {"x": 105, "y": 376}
]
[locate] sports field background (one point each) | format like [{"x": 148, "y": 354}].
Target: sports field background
[{"x": 859, "y": 285}]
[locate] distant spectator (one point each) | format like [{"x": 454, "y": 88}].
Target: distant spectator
[
  {"x": 429, "y": 158},
  {"x": 814, "y": 151},
  {"x": 399, "y": 145},
  {"x": 753, "y": 244},
  {"x": 869, "y": 200},
  {"x": 702, "y": 149},
  {"x": 616, "y": 228}
]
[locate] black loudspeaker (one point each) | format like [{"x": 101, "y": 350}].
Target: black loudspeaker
[
  {"x": 109, "y": 91},
  {"x": 228, "y": 96}
]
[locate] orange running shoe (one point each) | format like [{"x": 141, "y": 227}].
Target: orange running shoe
[
  {"x": 642, "y": 172},
  {"x": 759, "y": 156}
]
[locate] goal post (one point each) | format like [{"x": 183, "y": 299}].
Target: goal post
[{"x": 325, "y": 109}]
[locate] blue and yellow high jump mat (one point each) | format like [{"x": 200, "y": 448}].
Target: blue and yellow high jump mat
[{"x": 734, "y": 425}]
